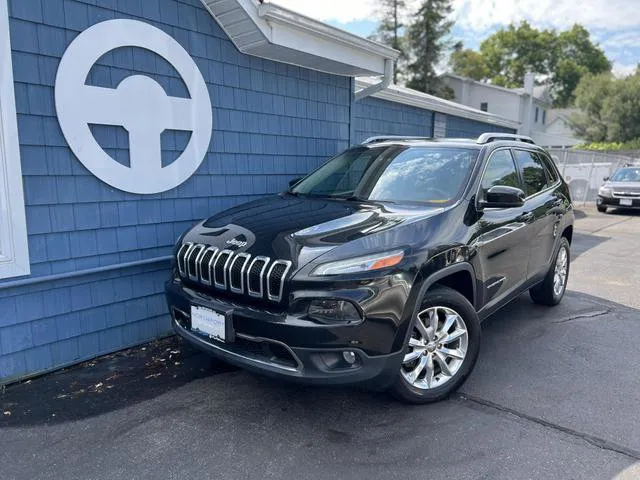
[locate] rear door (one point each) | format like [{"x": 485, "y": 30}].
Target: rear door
[
  {"x": 502, "y": 243},
  {"x": 540, "y": 209}
]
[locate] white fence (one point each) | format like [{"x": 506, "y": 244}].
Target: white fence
[{"x": 584, "y": 171}]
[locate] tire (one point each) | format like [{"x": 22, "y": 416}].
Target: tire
[
  {"x": 443, "y": 302},
  {"x": 602, "y": 209},
  {"x": 545, "y": 293}
]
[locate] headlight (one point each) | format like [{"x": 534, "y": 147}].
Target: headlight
[
  {"x": 605, "y": 192},
  {"x": 360, "y": 264}
]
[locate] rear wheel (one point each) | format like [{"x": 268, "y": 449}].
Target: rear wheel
[
  {"x": 442, "y": 349},
  {"x": 552, "y": 289}
]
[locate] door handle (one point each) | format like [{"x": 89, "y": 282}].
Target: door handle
[{"x": 526, "y": 217}]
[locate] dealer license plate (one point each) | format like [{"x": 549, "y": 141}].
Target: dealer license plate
[
  {"x": 209, "y": 323},
  {"x": 627, "y": 202}
]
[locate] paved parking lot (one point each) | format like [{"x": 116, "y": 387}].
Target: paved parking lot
[{"x": 555, "y": 394}]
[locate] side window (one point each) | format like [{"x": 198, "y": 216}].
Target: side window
[
  {"x": 501, "y": 170},
  {"x": 552, "y": 174},
  {"x": 533, "y": 172}
]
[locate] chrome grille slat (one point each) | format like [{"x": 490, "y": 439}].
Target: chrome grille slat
[
  {"x": 280, "y": 285},
  {"x": 265, "y": 263},
  {"x": 182, "y": 257},
  {"x": 220, "y": 267},
  {"x": 205, "y": 265},
  {"x": 235, "y": 288},
  {"x": 194, "y": 255},
  {"x": 238, "y": 273}
]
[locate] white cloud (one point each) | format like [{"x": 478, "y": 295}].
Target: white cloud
[
  {"x": 621, "y": 40},
  {"x": 343, "y": 11},
  {"x": 621, "y": 70},
  {"x": 481, "y": 15},
  {"x": 603, "y": 14}
]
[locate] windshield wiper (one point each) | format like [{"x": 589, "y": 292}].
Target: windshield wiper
[{"x": 356, "y": 198}]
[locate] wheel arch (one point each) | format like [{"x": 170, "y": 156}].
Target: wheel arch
[
  {"x": 568, "y": 233},
  {"x": 459, "y": 277}
]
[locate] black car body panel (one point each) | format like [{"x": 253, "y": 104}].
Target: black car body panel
[{"x": 491, "y": 255}]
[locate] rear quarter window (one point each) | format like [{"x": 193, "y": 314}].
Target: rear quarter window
[{"x": 533, "y": 172}]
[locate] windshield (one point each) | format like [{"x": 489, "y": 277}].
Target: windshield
[
  {"x": 626, "y": 175},
  {"x": 393, "y": 174}
]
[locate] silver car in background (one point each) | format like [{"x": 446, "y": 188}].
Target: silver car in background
[{"x": 621, "y": 190}]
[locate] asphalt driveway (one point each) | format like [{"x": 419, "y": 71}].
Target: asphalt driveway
[{"x": 555, "y": 394}]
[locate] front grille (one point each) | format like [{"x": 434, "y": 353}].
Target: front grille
[
  {"x": 220, "y": 269},
  {"x": 236, "y": 272},
  {"x": 193, "y": 261},
  {"x": 275, "y": 279},
  {"x": 256, "y": 275},
  {"x": 628, "y": 194},
  {"x": 227, "y": 271},
  {"x": 206, "y": 264}
]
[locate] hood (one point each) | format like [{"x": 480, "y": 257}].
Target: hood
[{"x": 300, "y": 229}]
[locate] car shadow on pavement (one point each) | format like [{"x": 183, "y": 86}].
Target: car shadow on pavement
[
  {"x": 105, "y": 384},
  {"x": 127, "y": 378}
]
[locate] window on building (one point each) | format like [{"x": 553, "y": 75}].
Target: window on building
[
  {"x": 544, "y": 117},
  {"x": 537, "y": 114},
  {"x": 14, "y": 253},
  {"x": 484, "y": 106}
]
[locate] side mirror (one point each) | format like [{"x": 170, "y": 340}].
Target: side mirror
[
  {"x": 606, "y": 179},
  {"x": 294, "y": 182},
  {"x": 501, "y": 196}
]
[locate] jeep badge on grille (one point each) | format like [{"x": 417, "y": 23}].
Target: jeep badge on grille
[{"x": 237, "y": 243}]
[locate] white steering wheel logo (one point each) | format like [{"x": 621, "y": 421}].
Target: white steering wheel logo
[{"x": 139, "y": 104}]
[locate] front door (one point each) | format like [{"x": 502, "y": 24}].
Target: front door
[{"x": 502, "y": 243}]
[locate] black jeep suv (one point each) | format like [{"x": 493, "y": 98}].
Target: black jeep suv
[{"x": 378, "y": 267}]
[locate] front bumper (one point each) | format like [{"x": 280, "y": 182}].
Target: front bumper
[
  {"x": 616, "y": 202},
  {"x": 279, "y": 345}
]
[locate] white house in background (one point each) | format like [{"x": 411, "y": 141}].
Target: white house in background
[{"x": 529, "y": 106}]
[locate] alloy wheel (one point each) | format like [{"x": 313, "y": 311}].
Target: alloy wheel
[
  {"x": 560, "y": 272},
  {"x": 437, "y": 348}
]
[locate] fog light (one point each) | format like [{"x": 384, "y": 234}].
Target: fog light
[
  {"x": 349, "y": 357},
  {"x": 329, "y": 310}
]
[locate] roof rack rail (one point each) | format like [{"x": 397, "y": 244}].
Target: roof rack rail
[
  {"x": 386, "y": 138},
  {"x": 494, "y": 137}
]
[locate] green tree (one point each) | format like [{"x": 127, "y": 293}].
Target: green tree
[
  {"x": 469, "y": 63},
  {"x": 561, "y": 58},
  {"x": 610, "y": 108},
  {"x": 512, "y": 52},
  {"x": 427, "y": 39},
  {"x": 574, "y": 56},
  {"x": 390, "y": 31}
]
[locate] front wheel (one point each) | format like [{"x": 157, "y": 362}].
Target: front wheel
[
  {"x": 552, "y": 289},
  {"x": 442, "y": 349},
  {"x": 602, "y": 209}
]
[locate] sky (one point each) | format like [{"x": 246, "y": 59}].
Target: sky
[{"x": 614, "y": 24}]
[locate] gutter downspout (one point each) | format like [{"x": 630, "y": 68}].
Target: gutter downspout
[{"x": 384, "y": 84}]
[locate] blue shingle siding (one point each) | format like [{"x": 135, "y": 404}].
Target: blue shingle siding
[
  {"x": 458, "y": 127},
  {"x": 272, "y": 122},
  {"x": 373, "y": 117}
]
